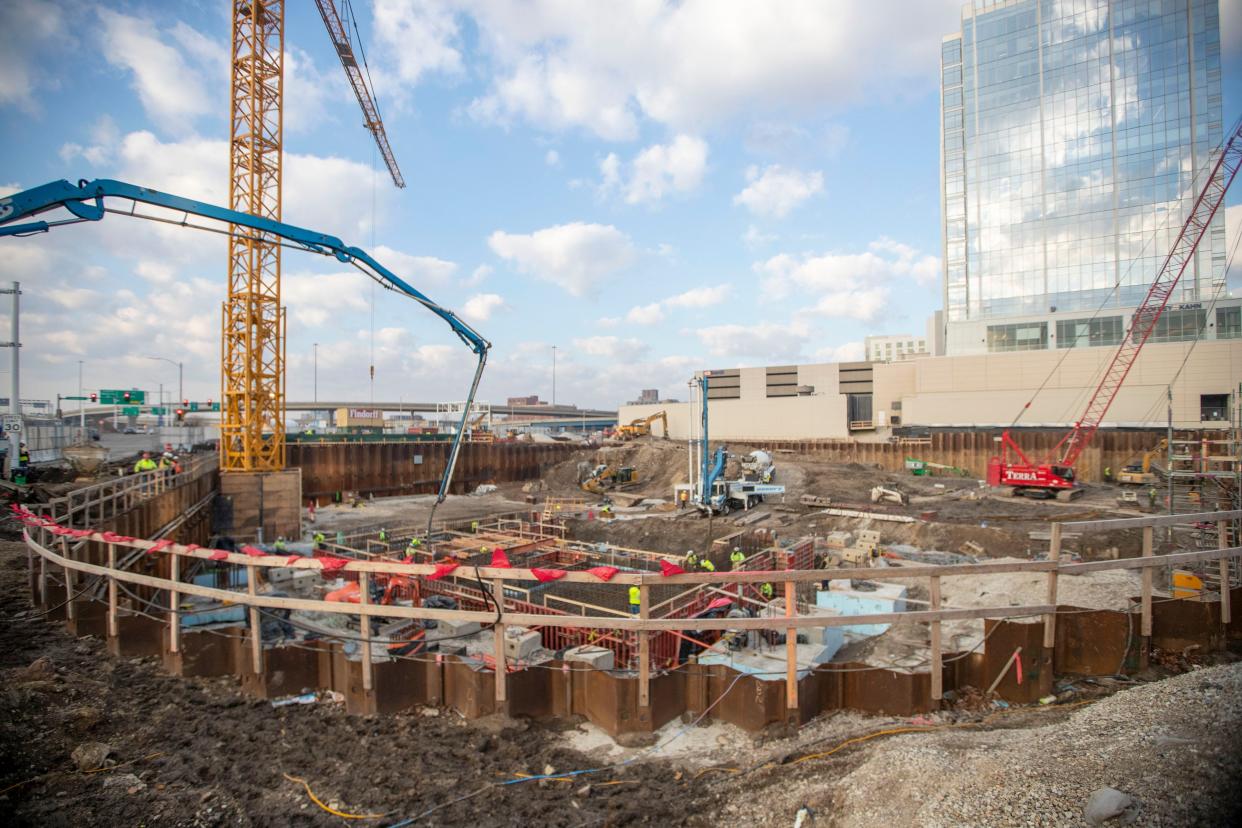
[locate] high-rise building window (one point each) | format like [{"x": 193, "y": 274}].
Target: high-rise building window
[
  {"x": 1229, "y": 323},
  {"x": 1029, "y": 336},
  {"x": 1178, "y": 325},
  {"x": 1083, "y": 333},
  {"x": 1073, "y": 137}
]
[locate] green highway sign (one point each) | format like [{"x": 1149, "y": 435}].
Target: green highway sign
[
  {"x": 75, "y": 398},
  {"x": 158, "y": 410},
  {"x": 109, "y": 396},
  {"x": 131, "y": 411},
  {"x": 215, "y": 406},
  {"x": 194, "y": 406}
]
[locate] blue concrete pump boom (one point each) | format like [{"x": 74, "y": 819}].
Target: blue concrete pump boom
[
  {"x": 712, "y": 467},
  {"x": 86, "y": 203}
]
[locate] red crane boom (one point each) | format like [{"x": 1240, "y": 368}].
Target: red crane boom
[
  {"x": 345, "y": 51},
  {"x": 1056, "y": 471}
]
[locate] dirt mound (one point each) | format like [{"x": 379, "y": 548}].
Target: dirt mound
[{"x": 659, "y": 463}]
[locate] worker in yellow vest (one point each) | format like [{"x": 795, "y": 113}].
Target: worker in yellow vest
[
  {"x": 767, "y": 592},
  {"x": 707, "y": 565},
  {"x": 145, "y": 464},
  {"x": 736, "y": 558},
  {"x": 636, "y": 600}
]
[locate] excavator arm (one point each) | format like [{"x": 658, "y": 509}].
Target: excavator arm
[{"x": 86, "y": 202}]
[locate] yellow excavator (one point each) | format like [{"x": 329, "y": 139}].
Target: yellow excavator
[
  {"x": 642, "y": 426},
  {"x": 1140, "y": 474},
  {"x": 605, "y": 478},
  {"x": 478, "y": 432}
]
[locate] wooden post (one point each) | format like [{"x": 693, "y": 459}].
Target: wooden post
[
  {"x": 256, "y": 629},
  {"x": 937, "y": 665},
  {"x": 71, "y": 611},
  {"x": 364, "y": 624},
  {"x": 791, "y": 649},
  {"x": 114, "y": 624},
  {"x": 1050, "y": 620},
  {"x": 1148, "y": 542},
  {"x": 174, "y": 606},
  {"x": 498, "y": 642},
  {"x": 644, "y": 649},
  {"x": 1222, "y": 542}
]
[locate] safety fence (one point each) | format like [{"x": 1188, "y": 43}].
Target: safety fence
[
  {"x": 103, "y": 502},
  {"x": 1069, "y": 644}
]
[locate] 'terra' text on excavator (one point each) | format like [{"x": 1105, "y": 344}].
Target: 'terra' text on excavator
[{"x": 1054, "y": 474}]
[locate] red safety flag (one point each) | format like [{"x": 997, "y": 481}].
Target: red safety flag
[
  {"x": 58, "y": 530},
  {"x": 332, "y": 565},
  {"x": 500, "y": 560},
  {"x": 113, "y": 537},
  {"x": 719, "y": 602},
  {"x": 604, "y": 573},
  {"x": 190, "y": 547},
  {"x": 1017, "y": 663},
  {"x": 667, "y": 568},
  {"x": 253, "y": 551},
  {"x": 217, "y": 555},
  {"x": 159, "y": 546},
  {"x": 442, "y": 569},
  {"x": 545, "y": 575},
  {"x": 292, "y": 559}
]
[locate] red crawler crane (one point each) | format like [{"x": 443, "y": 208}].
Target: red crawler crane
[{"x": 1055, "y": 473}]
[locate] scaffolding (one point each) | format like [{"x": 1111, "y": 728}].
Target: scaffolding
[{"x": 1204, "y": 472}]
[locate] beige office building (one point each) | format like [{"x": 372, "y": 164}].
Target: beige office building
[{"x": 867, "y": 401}]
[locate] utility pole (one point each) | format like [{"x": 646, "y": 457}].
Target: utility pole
[
  {"x": 15, "y": 404},
  {"x": 315, "y": 398},
  {"x": 81, "y": 407},
  {"x": 554, "y": 375}
]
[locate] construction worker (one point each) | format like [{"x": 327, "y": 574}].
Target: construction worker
[
  {"x": 280, "y": 544},
  {"x": 319, "y": 539},
  {"x": 766, "y": 591},
  {"x": 474, "y": 526},
  {"x": 23, "y": 457},
  {"x": 683, "y": 497},
  {"x": 636, "y": 600},
  {"x": 1151, "y": 497},
  {"x": 692, "y": 559},
  {"x": 606, "y": 510},
  {"x": 383, "y": 535},
  {"x": 736, "y": 557},
  {"x": 1108, "y": 474},
  {"x": 706, "y": 565},
  {"x": 145, "y": 464},
  {"x": 412, "y": 546}
]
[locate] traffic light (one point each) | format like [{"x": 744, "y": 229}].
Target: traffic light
[
  {"x": 185, "y": 403},
  {"x": 209, "y": 403},
  {"x": 180, "y": 414},
  {"x": 126, "y": 396},
  {"x": 94, "y": 397}
]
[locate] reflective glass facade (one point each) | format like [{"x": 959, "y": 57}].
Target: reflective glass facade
[{"x": 1074, "y": 135}]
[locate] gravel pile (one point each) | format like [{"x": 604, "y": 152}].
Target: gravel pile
[{"x": 1173, "y": 746}]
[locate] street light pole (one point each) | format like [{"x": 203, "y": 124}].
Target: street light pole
[
  {"x": 316, "y": 396},
  {"x": 180, "y": 381},
  {"x": 554, "y": 375},
  {"x": 81, "y": 407}
]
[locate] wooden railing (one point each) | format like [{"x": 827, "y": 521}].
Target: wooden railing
[
  {"x": 99, "y": 502},
  {"x": 42, "y": 541}
]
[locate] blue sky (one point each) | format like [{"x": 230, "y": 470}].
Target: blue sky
[{"x": 652, "y": 188}]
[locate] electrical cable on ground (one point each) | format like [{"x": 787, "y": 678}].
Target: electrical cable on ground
[{"x": 329, "y": 809}]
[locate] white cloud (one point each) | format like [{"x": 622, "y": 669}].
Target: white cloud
[
  {"x": 847, "y": 285},
  {"x": 417, "y": 270},
  {"x": 612, "y": 347},
  {"x": 848, "y": 352},
  {"x": 28, "y": 31},
  {"x": 313, "y": 298},
  {"x": 661, "y": 169},
  {"x": 777, "y": 190},
  {"x": 578, "y": 257},
  {"x": 645, "y": 314},
  {"x": 603, "y": 67},
  {"x": 610, "y": 171},
  {"x": 754, "y": 237},
  {"x": 72, "y": 298},
  {"x": 418, "y": 37},
  {"x": 552, "y": 158},
  {"x": 172, "y": 92},
  {"x": 104, "y": 138},
  {"x": 700, "y": 297},
  {"x": 481, "y": 306},
  {"x": 763, "y": 340},
  {"x": 477, "y": 276}
]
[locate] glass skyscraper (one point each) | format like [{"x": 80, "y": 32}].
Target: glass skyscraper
[{"x": 1074, "y": 136}]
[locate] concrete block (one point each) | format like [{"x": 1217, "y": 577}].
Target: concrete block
[
  {"x": 453, "y": 629},
  {"x": 521, "y": 643},
  {"x": 597, "y": 657}
]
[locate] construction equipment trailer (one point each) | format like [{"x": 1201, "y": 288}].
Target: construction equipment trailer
[{"x": 1053, "y": 475}]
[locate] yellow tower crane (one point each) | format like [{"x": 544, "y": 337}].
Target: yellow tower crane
[{"x": 252, "y": 411}]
